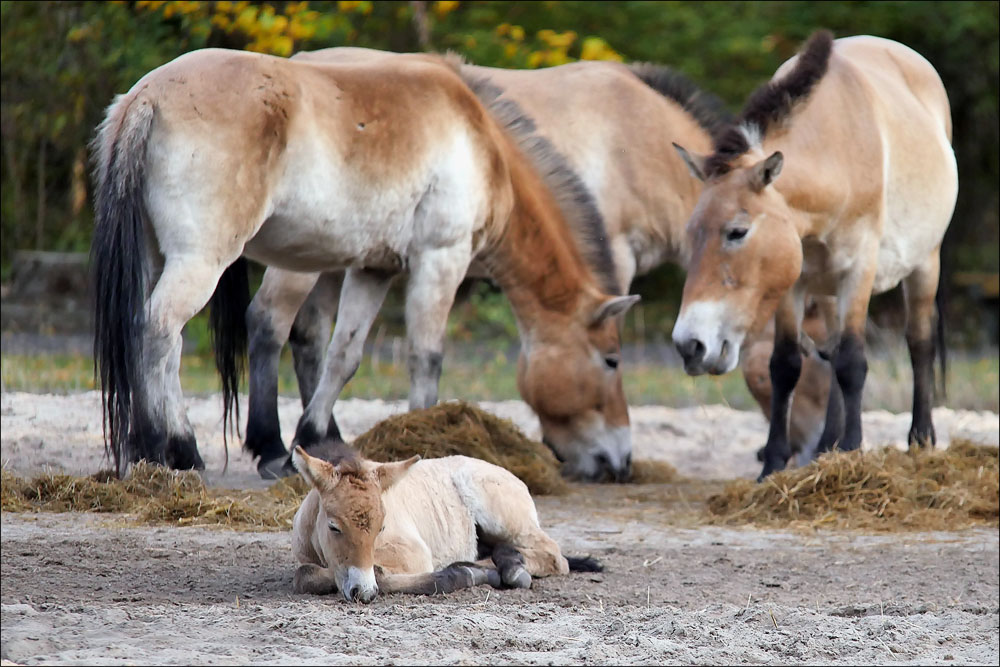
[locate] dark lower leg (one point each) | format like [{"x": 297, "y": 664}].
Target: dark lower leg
[
  {"x": 263, "y": 437},
  {"x": 833, "y": 427},
  {"x": 510, "y": 564},
  {"x": 851, "y": 368},
  {"x": 922, "y": 359},
  {"x": 785, "y": 367}
]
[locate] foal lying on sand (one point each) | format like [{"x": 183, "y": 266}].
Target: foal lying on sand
[{"x": 416, "y": 526}]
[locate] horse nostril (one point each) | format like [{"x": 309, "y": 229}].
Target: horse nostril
[
  {"x": 355, "y": 593},
  {"x": 691, "y": 350}
]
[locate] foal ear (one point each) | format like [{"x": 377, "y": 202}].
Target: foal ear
[
  {"x": 695, "y": 163},
  {"x": 317, "y": 472},
  {"x": 764, "y": 172},
  {"x": 390, "y": 473},
  {"x": 613, "y": 307}
]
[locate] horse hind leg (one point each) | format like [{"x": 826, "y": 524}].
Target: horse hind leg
[
  {"x": 434, "y": 278},
  {"x": 161, "y": 429},
  {"x": 310, "y": 336},
  {"x": 269, "y": 319},
  {"x": 920, "y": 288},
  {"x": 361, "y": 298}
]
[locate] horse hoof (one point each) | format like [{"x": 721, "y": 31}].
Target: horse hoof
[
  {"x": 274, "y": 468},
  {"x": 517, "y": 578}
]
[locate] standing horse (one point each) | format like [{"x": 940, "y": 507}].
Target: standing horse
[
  {"x": 862, "y": 204},
  {"x": 314, "y": 167},
  {"x": 416, "y": 526},
  {"x": 613, "y": 125}
]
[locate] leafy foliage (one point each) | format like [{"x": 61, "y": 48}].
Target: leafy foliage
[{"x": 63, "y": 62}]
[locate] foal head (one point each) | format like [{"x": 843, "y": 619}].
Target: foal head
[
  {"x": 745, "y": 253},
  {"x": 351, "y": 516},
  {"x": 569, "y": 374}
]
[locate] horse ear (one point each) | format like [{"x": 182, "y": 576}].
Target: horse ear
[
  {"x": 613, "y": 307},
  {"x": 764, "y": 172},
  {"x": 390, "y": 473},
  {"x": 695, "y": 163},
  {"x": 317, "y": 472}
]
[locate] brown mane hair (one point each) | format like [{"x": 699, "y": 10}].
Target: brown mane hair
[
  {"x": 706, "y": 109},
  {"x": 772, "y": 103},
  {"x": 571, "y": 194}
]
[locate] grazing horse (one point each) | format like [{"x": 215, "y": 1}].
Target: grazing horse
[
  {"x": 613, "y": 125},
  {"x": 838, "y": 179},
  {"x": 415, "y": 526},
  {"x": 311, "y": 167}
]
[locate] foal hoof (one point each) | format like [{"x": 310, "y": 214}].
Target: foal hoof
[
  {"x": 274, "y": 468},
  {"x": 516, "y": 577}
]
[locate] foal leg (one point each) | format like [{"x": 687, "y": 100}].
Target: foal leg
[
  {"x": 360, "y": 300},
  {"x": 919, "y": 288},
  {"x": 269, "y": 319},
  {"x": 785, "y": 368},
  {"x": 161, "y": 431},
  {"x": 452, "y": 578},
  {"x": 434, "y": 278},
  {"x": 312, "y": 579}
]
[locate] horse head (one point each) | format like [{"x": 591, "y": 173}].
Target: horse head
[
  {"x": 351, "y": 516},
  {"x": 745, "y": 253},
  {"x": 569, "y": 374}
]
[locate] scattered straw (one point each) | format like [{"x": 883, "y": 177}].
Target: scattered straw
[
  {"x": 455, "y": 427},
  {"x": 654, "y": 472},
  {"x": 885, "y": 490},
  {"x": 154, "y": 494}
]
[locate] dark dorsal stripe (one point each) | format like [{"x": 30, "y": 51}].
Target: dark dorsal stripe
[
  {"x": 574, "y": 199},
  {"x": 707, "y": 109},
  {"x": 772, "y": 102}
]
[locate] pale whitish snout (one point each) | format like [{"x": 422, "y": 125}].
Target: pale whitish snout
[
  {"x": 706, "y": 340},
  {"x": 595, "y": 453},
  {"x": 359, "y": 585}
]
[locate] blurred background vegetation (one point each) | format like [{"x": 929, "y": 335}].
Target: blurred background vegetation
[{"x": 63, "y": 63}]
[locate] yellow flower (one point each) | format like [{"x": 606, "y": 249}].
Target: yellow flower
[
  {"x": 348, "y": 5},
  {"x": 595, "y": 48},
  {"x": 444, "y": 7},
  {"x": 517, "y": 33}
]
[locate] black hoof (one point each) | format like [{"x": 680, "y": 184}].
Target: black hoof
[
  {"x": 274, "y": 468},
  {"x": 922, "y": 438},
  {"x": 182, "y": 453},
  {"x": 760, "y": 454},
  {"x": 771, "y": 466}
]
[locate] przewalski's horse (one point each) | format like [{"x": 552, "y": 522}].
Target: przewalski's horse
[
  {"x": 614, "y": 130},
  {"x": 416, "y": 526},
  {"x": 839, "y": 179},
  {"x": 314, "y": 167}
]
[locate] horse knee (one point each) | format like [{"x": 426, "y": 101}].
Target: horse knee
[
  {"x": 785, "y": 366},
  {"x": 851, "y": 365}
]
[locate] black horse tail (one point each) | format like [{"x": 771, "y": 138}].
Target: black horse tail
[
  {"x": 118, "y": 265},
  {"x": 227, "y": 319}
]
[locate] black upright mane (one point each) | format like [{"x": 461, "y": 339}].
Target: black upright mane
[
  {"x": 574, "y": 199},
  {"x": 772, "y": 103},
  {"x": 707, "y": 109}
]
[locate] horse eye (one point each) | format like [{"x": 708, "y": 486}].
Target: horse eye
[
  {"x": 736, "y": 234},
  {"x": 612, "y": 362},
  {"x": 333, "y": 527}
]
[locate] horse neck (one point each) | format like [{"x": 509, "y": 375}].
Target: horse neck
[{"x": 535, "y": 260}]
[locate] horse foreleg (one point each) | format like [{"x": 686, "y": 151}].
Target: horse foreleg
[
  {"x": 314, "y": 579},
  {"x": 920, "y": 288},
  {"x": 362, "y": 296},
  {"x": 269, "y": 319},
  {"x": 452, "y": 578},
  {"x": 434, "y": 278},
  {"x": 785, "y": 368}
]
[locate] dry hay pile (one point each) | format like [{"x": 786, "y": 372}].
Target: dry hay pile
[
  {"x": 654, "y": 472},
  {"x": 457, "y": 428},
  {"x": 154, "y": 494},
  {"x": 881, "y": 490}
]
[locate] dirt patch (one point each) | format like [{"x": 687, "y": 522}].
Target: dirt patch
[{"x": 93, "y": 588}]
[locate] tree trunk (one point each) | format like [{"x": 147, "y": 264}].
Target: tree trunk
[{"x": 40, "y": 220}]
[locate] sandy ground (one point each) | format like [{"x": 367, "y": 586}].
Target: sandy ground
[{"x": 92, "y": 589}]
